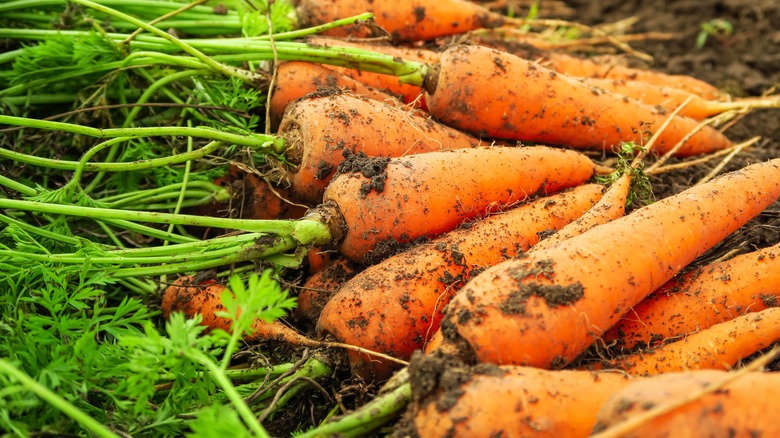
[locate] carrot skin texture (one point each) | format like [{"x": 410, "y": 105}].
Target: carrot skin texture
[
  {"x": 720, "y": 346},
  {"x": 405, "y": 20},
  {"x": 428, "y": 194},
  {"x": 533, "y": 103},
  {"x": 319, "y": 130},
  {"x": 706, "y": 296},
  {"x": 514, "y": 401},
  {"x": 296, "y": 79},
  {"x": 546, "y": 309},
  {"x": 741, "y": 408},
  {"x": 320, "y": 288},
  {"x": 396, "y": 305}
]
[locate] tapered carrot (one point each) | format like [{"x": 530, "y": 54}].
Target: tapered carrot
[
  {"x": 322, "y": 286},
  {"x": 319, "y": 131},
  {"x": 407, "y": 92},
  {"x": 482, "y": 90},
  {"x": 395, "y": 306},
  {"x": 296, "y": 79},
  {"x": 739, "y": 407},
  {"x": 405, "y": 20},
  {"x": 398, "y": 200},
  {"x": 709, "y": 295},
  {"x": 546, "y": 309},
  {"x": 573, "y": 66},
  {"x": 669, "y": 97},
  {"x": 508, "y": 401},
  {"x": 719, "y": 346},
  {"x": 191, "y": 296}
]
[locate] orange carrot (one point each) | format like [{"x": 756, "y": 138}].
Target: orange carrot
[
  {"x": 546, "y": 309},
  {"x": 508, "y": 401},
  {"x": 322, "y": 286},
  {"x": 482, "y": 90},
  {"x": 720, "y": 346},
  {"x": 296, "y": 79},
  {"x": 320, "y": 131},
  {"x": 573, "y": 66},
  {"x": 402, "y": 199},
  {"x": 405, "y": 20},
  {"x": 739, "y": 407},
  {"x": 709, "y": 295},
  {"x": 407, "y": 92},
  {"x": 191, "y": 296},
  {"x": 395, "y": 306}
]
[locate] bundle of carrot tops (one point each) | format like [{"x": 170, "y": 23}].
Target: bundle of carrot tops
[{"x": 345, "y": 218}]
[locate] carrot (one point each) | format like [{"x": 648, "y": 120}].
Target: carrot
[
  {"x": 319, "y": 131},
  {"x": 574, "y": 66},
  {"x": 296, "y": 79},
  {"x": 670, "y": 98},
  {"x": 407, "y": 92},
  {"x": 478, "y": 89},
  {"x": 401, "y": 199},
  {"x": 740, "y": 407},
  {"x": 719, "y": 346},
  {"x": 708, "y": 295},
  {"x": 405, "y": 20},
  {"x": 318, "y": 259},
  {"x": 508, "y": 401},
  {"x": 191, "y": 296},
  {"x": 395, "y": 306},
  {"x": 320, "y": 288},
  {"x": 546, "y": 309}
]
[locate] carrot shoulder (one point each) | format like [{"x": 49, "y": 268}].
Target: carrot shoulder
[
  {"x": 398, "y": 200},
  {"x": 720, "y": 346},
  {"x": 546, "y": 309},
  {"x": 709, "y": 295},
  {"x": 396, "y": 305},
  {"x": 482, "y": 90}
]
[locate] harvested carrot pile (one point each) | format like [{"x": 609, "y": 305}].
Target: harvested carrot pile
[{"x": 421, "y": 218}]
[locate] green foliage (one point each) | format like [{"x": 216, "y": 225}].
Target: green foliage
[
  {"x": 641, "y": 191},
  {"x": 713, "y": 28},
  {"x": 255, "y": 22}
]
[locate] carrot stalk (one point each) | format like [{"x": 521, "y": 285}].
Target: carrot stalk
[
  {"x": 546, "y": 309},
  {"x": 719, "y": 346},
  {"x": 529, "y": 102},
  {"x": 396, "y": 305},
  {"x": 701, "y": 298}
]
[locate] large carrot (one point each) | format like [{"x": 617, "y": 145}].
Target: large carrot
[
  {"x": 389, "y": 201},
  {"x": 708, "y": 295},
  {"x": 739, "y": 407},
  {"x": 482, "y": 90},
  {"x": 405, "y": 20},
  {"x": 296, "y": 79},
  {"x": 546, "y": 309},
  {"x": 395, "y": 306},
  {"x": 508, "y": 401},
  {"x": 720, "y": 346},
  {"x": 319, "y": 131}
]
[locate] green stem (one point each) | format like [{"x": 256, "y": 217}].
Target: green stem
[
  {"x": 17, "y": 186},
  {"x": 367, "y": 418},
  {"x": 55, "y": 400},
  {"x": 149, "y": 231},
  {"x": 154, "y": 86},
  {"x": 128, "y": 197},
  {"x": 39, "y": 231},
  {"x": 254, "y": 140}
]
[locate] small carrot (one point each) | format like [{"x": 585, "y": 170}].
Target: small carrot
[
  {"x": 405, "y": 20},
  {"x": 320, "y": 130},
  {"x": 322, "y": 286},
  {"x": 508, "y": 401},
  {"x": 739, "y": 406},
  {"x": 482, "y": 90},
  {"x": 396, "y": 305},
  {"x": 579, "y": 67},
  {"x": 719, "y": 346},
  {"x": 559, "y": 300},
  {"x": 708, "y": 295},
  {"x": 669, "y": 98},
  {"x": 402, "y": 199},
  {"x": 191, "y": 296},
  {"x": 297, "y": 79}
]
